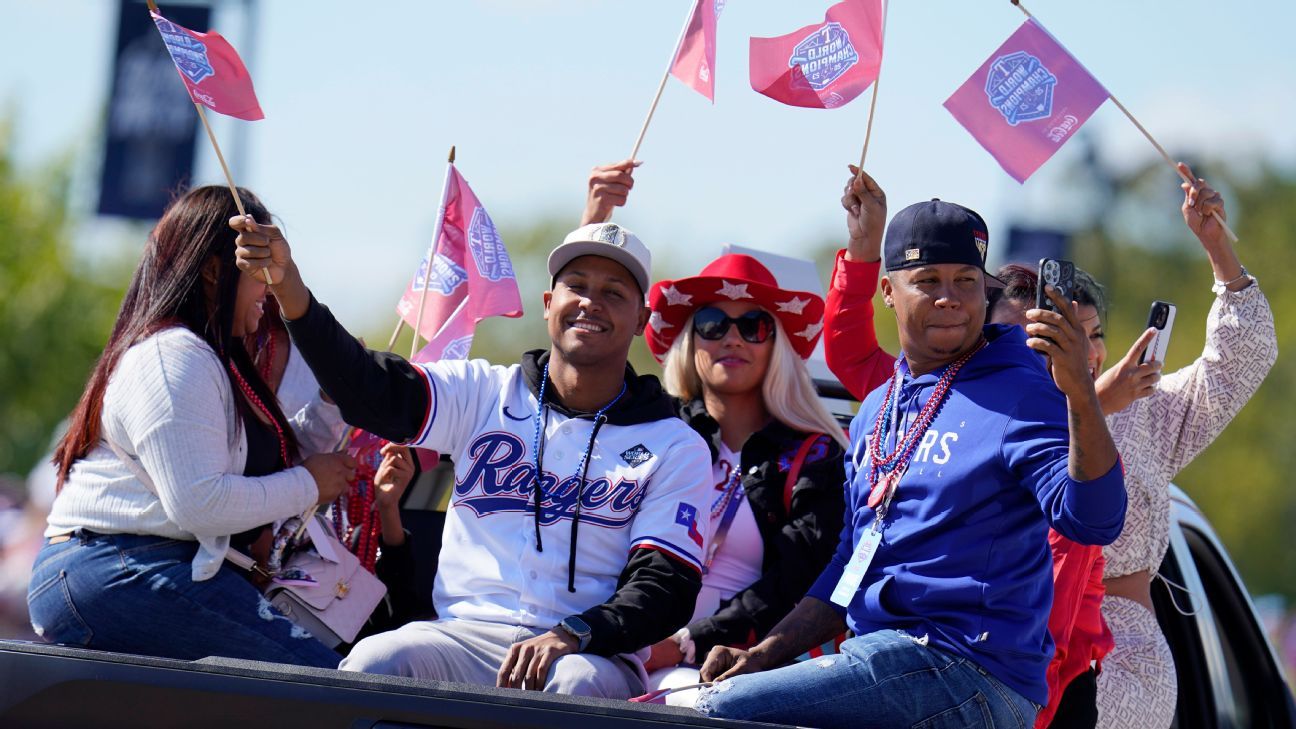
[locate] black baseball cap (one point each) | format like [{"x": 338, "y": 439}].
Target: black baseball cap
[{"x": 937, "y": 232}]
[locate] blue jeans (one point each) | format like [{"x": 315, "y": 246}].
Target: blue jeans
[
  {"x": 882, "y": 679},
  {"x": 133, "y": 593}
]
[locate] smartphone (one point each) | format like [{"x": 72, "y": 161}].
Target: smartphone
[
  {"x": 1060, "y": 275},
  {"x": 1161, "y": 318}
]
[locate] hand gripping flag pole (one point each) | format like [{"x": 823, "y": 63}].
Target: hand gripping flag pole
[
  {"x": 211, "y": 60},
  {"x": 868, "y": 130},
  {"x": 1160, "y": 150}
]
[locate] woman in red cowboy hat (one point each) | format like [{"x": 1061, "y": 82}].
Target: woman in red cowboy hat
[{"x": 739, "y": 374}]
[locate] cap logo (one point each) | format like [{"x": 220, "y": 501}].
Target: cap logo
[
  {"x": 610, "y": 234},
  {"x": 912, "y": 254},
  {"x": 981, "y": 243}
]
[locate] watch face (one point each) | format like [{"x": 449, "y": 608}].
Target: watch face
[{"x": 576, "y": 626}]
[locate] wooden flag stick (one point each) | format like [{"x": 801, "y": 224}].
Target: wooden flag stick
[
  {"x": 400, "y": 324},
  {"x": 431, "y": 254},
  {"x": 662, "y": 86},
  {"x": 868, "y": 130},
  {"x": 229, "y": 179},
  {"x": 1160, "y": 150}
]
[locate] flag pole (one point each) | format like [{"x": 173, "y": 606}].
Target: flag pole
[
  {"x": 1160, "y": 150},
  {"x": 229, "y": 179},
  {"x": 220, "y": 156},
  {"x": 431, "y": 256},
  {"x": 400, "y": 324},
  {"x": 868, "y": 130},
  {"x": 665, "y": 77}
]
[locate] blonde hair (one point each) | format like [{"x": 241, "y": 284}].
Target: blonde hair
[{"x": 787, "y": 388}]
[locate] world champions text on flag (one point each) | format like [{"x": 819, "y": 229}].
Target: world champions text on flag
[
  {"x": 469, "y": 278},
  {"x": 825, "y": 65},
  {"x": 211, "y": 69},
  {"x": 1026, "y": 100}
]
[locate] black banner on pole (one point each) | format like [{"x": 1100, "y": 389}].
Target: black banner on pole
[{"x": 151, "y": 126}]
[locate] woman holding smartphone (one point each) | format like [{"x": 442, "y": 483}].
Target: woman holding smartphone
[{"x": 1158, "y": 436}]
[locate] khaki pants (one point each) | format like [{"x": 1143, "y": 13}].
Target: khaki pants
[{"x": 468, "y": 651}]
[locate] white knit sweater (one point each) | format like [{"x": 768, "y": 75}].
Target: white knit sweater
[{"x": 169, "y": 406}]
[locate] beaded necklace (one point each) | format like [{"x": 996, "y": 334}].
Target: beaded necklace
[
  {"x": 733, "y": 484},
  {"x": 256, "y": 401},
  {"x": 541, "y": 417},
  {"x": 886, "y": 469},
  {"x": 362, "y": 528}
]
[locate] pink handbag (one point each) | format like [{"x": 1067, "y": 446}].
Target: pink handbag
[{"x": 339, "y": 601}]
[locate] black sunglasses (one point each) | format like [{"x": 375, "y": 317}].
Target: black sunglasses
[{"x": 712, "y": 324}]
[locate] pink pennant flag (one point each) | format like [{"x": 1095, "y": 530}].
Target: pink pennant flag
[
  {"x": 696, "y": 58},
  {"x": 825, "y": 65},
  {"x": 211, "y": 69},
  {"x": 1026, "y": 100},
  {"x": 469, "y": 278}
]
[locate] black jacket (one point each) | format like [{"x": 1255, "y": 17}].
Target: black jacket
[
  {"x": 383, "y": 394},
  {"x": 798, "y": 545}
]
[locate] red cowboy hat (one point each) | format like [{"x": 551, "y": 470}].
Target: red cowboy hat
[{"x": 733, "y": 277}]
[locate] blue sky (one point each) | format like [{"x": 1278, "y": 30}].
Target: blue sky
[{"x": 362, "y": 105}]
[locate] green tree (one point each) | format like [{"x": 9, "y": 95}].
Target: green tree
[
  {"x": 1241, "y": 482},
  {"x": 54, "y": 314}
]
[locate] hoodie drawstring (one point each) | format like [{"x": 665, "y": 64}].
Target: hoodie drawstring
[
  {"x": 599, "y": 420},
  {"x": 582, "y": 470}
]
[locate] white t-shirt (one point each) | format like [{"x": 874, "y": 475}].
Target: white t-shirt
[{"x": 737, "y": 563}]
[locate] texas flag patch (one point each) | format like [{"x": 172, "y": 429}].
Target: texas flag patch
[{"x": 686, "y": 516}]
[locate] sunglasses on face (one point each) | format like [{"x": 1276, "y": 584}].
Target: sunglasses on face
[{"x": 713, "y": 324}]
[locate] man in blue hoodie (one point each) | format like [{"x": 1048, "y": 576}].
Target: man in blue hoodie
[{"x": 959, "y": 466}]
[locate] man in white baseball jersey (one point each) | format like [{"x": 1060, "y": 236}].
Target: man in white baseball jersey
[{"x": 546, "y": 583}]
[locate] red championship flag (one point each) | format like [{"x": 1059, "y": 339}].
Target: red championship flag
[
  {"x": 211, "y": 70},
  {"x": 825, "y": 65},
  {"x": 465, "y": 277},
  {"x": 696, "y": 58},
  {"x": 1026, "y": 100}
]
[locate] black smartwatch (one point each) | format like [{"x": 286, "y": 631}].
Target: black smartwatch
[{"x": 576, "y": 628}]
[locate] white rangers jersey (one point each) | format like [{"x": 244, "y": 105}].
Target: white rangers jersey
[{"x": 648, "y": 486}]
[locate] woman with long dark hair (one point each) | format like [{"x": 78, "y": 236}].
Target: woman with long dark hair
[{"x": 177, "y": 452}]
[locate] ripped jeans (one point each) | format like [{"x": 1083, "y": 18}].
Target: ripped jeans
[
  {"x": 133, "y": 593},
  {"x": 881, "y": 679}
]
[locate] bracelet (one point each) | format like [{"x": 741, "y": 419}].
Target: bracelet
[{"x": 1220, "y": 286}]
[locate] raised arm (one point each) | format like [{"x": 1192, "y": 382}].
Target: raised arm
[
  {"x": 850, "y": 339},
  {"x": 1197, "y": 402},
  {"x": 376, "y": 391}
]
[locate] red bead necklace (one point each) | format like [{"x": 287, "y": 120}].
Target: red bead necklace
[
  {"x": 886, "y": 468},
  {"x": 256, "y": 401}
]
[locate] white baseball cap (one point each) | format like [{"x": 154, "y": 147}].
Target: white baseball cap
[{"x": 608, "y": 240}]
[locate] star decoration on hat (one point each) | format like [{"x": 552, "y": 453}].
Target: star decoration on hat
[
  {"x": 811, "y": 330},
  {"x": 733, "y": 291},
  {"x": 795, "y": 306},
  {"x": 658, "y": 322},
  {"x": 675, "y": 298}
]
